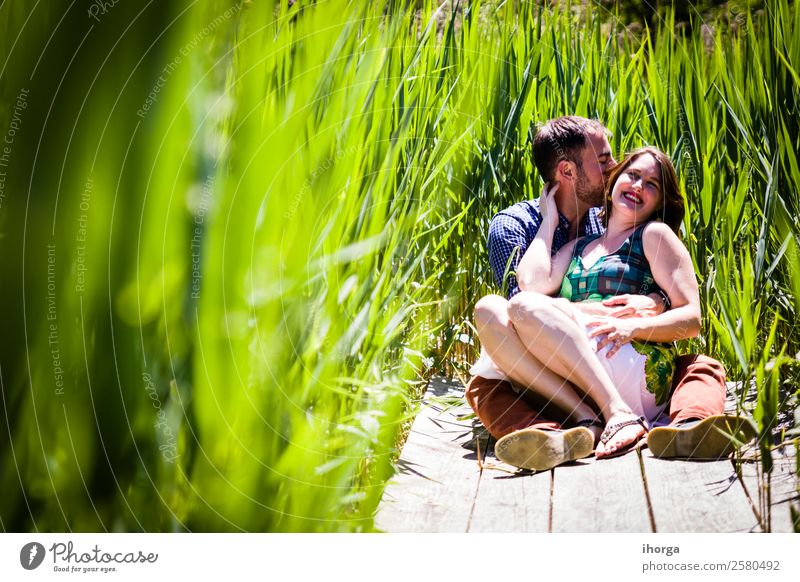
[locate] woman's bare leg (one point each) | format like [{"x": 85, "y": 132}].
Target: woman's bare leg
[
  {"x": 499, "y": 338},
  {"x": 556, "y": 340}
]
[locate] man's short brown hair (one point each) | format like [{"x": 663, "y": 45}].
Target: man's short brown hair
[{"x": 562, "y": 138}]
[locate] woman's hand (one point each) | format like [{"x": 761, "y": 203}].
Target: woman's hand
[
  {"x": 617, "y": 332},
  {"x": 547, "y": 205}
]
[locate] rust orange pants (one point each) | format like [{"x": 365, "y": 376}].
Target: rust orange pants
[{"x": 698, "y": 391}]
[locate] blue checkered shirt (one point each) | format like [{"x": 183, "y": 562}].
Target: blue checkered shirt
[{"x": 513, "y": 230}]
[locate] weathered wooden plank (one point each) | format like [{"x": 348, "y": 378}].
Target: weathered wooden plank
[
  {"x": 696, "y": 496},
  {"x": 511, "y": 501},
  {"x": 600, "y": 496},
  {"x": 732, "y": 394},
  {"x": 440, "y": 487},
  {"x": 783, "y": 485},
  {"x": 438, "y": 474}
]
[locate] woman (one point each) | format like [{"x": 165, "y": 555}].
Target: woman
[{"x": 623, "y": 365}]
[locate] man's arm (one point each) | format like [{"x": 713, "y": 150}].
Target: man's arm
[
  {"x": 623, "y": 306},
  {"x": 507, "y": 243}
]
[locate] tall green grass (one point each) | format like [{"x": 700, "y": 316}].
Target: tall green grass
[{"x": 290, "y": 239}]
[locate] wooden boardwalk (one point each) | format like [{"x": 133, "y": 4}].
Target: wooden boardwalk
[{"x": 448, "y": 480}]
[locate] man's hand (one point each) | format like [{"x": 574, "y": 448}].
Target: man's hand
[{"x": 623, "y": 306}]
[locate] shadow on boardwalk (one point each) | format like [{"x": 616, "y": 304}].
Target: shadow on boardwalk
[{"x": 448, "y": 480}]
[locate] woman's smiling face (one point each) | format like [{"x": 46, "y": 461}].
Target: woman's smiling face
[{"x": 637, "y": 192}]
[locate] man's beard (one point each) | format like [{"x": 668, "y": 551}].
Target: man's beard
[{"x": 585, "y": 193}]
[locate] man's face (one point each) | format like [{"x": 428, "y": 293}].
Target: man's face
[{"x": 595, "y": 161}]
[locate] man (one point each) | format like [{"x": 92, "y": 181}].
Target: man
[{"x": 574, "y": 153}]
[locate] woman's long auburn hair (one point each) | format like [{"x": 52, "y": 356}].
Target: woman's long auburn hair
[{"x": 672, "y": 208}]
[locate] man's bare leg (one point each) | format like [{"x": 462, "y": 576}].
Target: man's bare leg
[{"x": 556, "y": 340}]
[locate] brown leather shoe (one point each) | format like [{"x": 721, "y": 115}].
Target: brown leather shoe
[
  {"x": 541, "y": 450},
  {"x": 714, "y": 437}
]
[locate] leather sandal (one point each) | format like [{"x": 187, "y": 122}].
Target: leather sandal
[{"x": 611, "y": 431}]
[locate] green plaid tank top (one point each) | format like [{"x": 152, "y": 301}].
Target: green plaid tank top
[{"x": 625, "y": 270}]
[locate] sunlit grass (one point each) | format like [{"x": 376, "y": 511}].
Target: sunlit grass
[{"x": 291, "y": 238}]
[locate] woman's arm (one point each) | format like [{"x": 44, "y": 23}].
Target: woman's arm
[
  {"x": 673, "y": 271},
  {"x": 537, "y": 270},
  {"x": 540, "y": 272}
]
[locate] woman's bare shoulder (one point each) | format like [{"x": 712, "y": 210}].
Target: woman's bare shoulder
[
  {"x": 662, "y": 244},
  {"x": 656, "y": 232}
]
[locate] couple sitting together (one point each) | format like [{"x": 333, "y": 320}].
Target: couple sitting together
[{"x": 578, "y": 357}]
